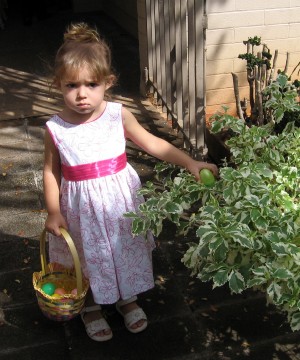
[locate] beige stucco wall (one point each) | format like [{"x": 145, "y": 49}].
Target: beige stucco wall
[{"x": 230, "y": 22}]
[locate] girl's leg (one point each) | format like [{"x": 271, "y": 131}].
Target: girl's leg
[
  {"x": 134, "y": 317},
  {"x": 95, "y": 324}
]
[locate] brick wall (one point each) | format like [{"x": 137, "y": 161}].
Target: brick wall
[{"x": 230, "y": 22}]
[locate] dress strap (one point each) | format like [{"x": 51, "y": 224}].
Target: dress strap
[{"x": 94, "y": 170}]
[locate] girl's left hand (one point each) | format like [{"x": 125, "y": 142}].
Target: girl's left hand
[{"x": 196, "y": 166}]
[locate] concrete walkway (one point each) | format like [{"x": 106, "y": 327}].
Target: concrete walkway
[{"x": 187, "y": 319}]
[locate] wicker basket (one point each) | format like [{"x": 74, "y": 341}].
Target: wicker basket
[{"x": 67, "y": 306}]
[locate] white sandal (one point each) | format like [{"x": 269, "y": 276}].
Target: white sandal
[
  {"x": 133, "y": 316},
  {"x": 95, "y": 326}
]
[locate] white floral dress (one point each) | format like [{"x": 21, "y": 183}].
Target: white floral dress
[{"x": 117, "y": 264}]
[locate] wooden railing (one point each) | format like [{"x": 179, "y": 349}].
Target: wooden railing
[{"x": 176, "y": 65}]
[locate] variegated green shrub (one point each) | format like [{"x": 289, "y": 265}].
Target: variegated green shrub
[{"x": 247, "y": 224}]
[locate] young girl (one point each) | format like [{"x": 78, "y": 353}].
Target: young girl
[{"x": 89, "y": 185}]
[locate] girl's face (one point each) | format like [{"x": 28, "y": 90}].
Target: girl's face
[{"x": 83, "y": 96}]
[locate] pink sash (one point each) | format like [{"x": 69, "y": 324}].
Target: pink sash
[{"x": 94, "y": 170}]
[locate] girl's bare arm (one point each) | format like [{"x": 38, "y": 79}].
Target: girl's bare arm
[
  {"x": 160, "y": 148},
  {"x": 52, "y": 176}
]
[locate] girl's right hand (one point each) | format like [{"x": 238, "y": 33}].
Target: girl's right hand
[{"x": 54, "y": 222}]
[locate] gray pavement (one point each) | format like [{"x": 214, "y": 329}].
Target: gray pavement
[{"x": 187, "y": 319}]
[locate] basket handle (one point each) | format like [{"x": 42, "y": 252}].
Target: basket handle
[{"x": 68, "y": 239}]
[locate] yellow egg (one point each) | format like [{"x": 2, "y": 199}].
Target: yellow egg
[{"x": 56, "y": 296}]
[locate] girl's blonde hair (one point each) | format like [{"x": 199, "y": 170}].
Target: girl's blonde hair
[{"x": 83, "y": 46}]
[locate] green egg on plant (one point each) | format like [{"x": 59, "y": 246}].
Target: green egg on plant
[{"x": 207, "y": 177}]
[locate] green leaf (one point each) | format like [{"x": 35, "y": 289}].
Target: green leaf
[
  {"x": 295, "y": 321},
  {"x": 173, "y": 208},
  {"x": 258, "y": 220},
  {"x": 204, "y": 250},
  {"x": 140, "y": 226},
  {"x": 257, "y": 281},
  {"x": 229, "y": 195},
  {"x": 242, "y": 238},
  {"x": 191, "y": 257},
  {"x": 157, "y": 228},
  {"x": 220, "y": 253},
  {"x": 274, "y": 292},
  {"x": 130, "y": 214},
  {"x": 215, "y": 243},
  {"x": 253, "y": 200},
  {"x": 260, "y": 271},
  {"x": 278, "y": 113},
  {"x": 274, "y": 155},
  {"x": 272, "y": 236},
  {"x": 220, "y": 278},
  {"x": 213, "y": 267},
  {"x": 264, "y": 171},
  {"x": 206, "y": 233},
  {"x": 280, "y": 249},
  {"x": 283, "y": 274},
  {"x": 236, "y": 282},
  {"x": 282, "y": 80},
  {"x": 245, "y": 172},
  {"x": 183, "y": 227}
]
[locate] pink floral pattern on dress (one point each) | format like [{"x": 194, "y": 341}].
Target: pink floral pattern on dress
[{"x": 117, "y": 264}]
